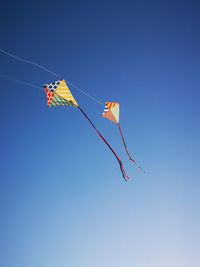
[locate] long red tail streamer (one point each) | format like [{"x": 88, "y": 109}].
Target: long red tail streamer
[
  {"x": 126, "y": 178},
  {"x": 127, "y": 152}
]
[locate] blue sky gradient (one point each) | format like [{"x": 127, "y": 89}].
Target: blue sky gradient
[{"x": 63, "y": 200}]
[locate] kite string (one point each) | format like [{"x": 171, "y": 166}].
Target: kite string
[
  {"x": 49, "y": 71},
  {"x": 86, "y": 94},
  {"x": 28, "y": 62},
  {"x": 19, "y": 81}
]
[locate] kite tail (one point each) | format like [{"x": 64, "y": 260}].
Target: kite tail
[
  {"x": 126, "y": 178},
  {"x": 127, "y": 152}
]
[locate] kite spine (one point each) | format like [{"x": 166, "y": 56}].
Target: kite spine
[{"x": 109, "y": 146}]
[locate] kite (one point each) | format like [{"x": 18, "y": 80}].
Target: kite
[
  {"x": 58, "y": 94},
  {"x": 111, "y": 112}
]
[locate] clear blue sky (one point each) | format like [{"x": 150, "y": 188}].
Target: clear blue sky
[{"x": 63, "y": 200}]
